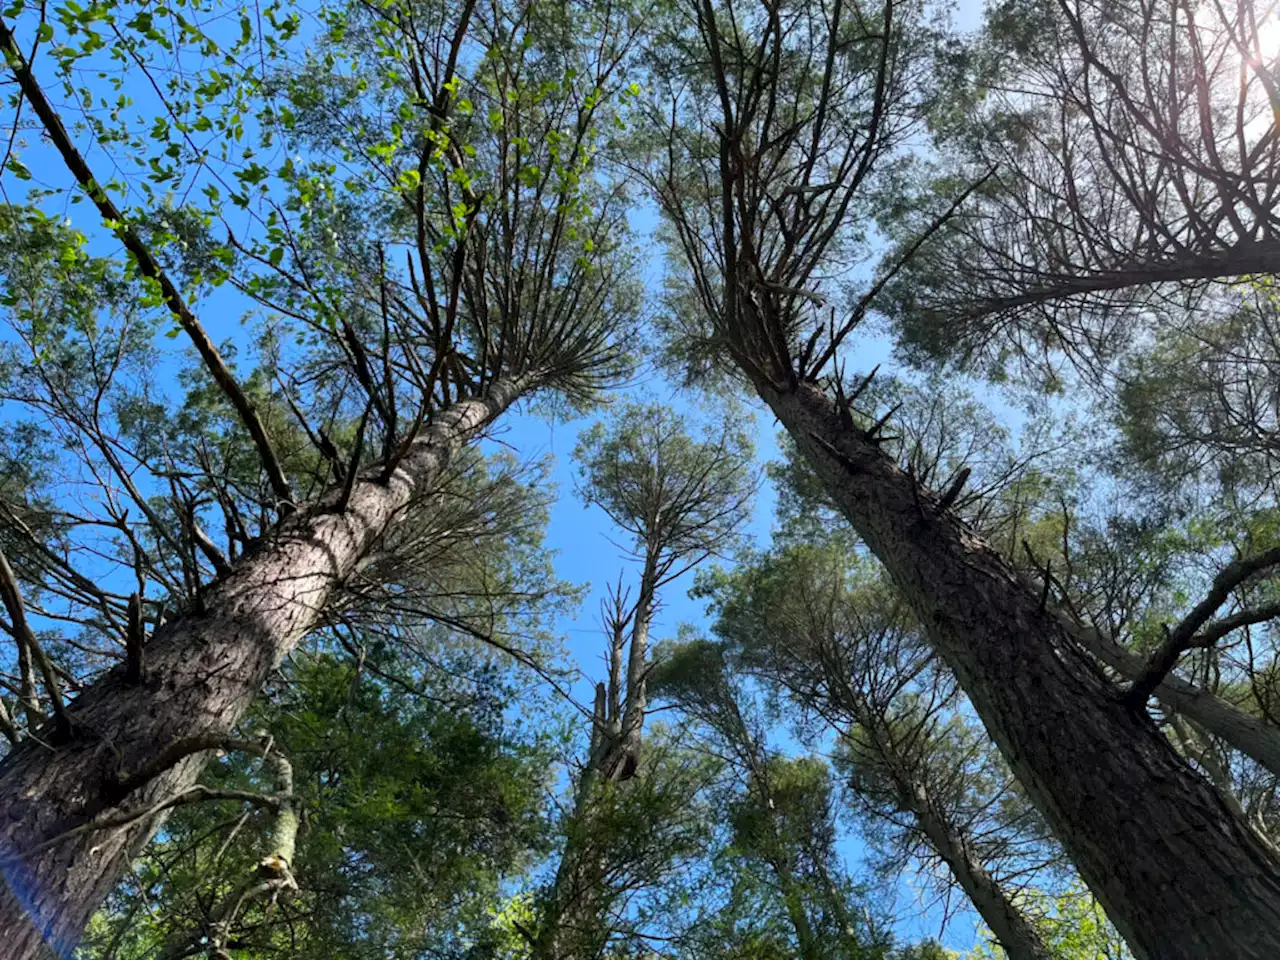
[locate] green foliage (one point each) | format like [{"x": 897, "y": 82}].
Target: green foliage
[
  {"x": 414, "y": 805},
  {"x": 926, "y": 950},
  {"x": 1074, "y": 925},
  {"x": 631, "y": 843},
  {"x": 1198, "y": 406},
  {"x": 781, "y": 882},
  {"x": 679, "y": 493}
]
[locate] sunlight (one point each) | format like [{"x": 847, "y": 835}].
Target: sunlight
[{"x": 1268, "y": 36}]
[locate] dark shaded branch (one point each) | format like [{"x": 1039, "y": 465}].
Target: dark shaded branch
[
  {"x": 1187, "y": 636},
  {"x": 7, "y": 726},
  {"x": 953, "y": 490},
  {"x": 133, "y": 641}
]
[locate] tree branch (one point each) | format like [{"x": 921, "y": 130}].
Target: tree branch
[
  {"x": 273, "y": 873},
  {"x": 147, "y": 265},
  {"x": 193, "y": 795},
  {"x": 25, "y": 637},
  {"x": 1187, "y": 634},
  {"x": 133, "y": 641}
]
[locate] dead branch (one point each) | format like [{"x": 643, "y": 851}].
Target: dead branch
[{"x": 1187, "y": 634}]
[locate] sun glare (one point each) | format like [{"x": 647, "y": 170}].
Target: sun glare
[{"x": 1268, "y": 40}]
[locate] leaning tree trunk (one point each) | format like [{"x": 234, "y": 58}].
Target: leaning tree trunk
[
  {"x": 1012, "y": 930},
  {"x": 1179, "y": 874},
  {"x": 1252, "y": 736},
  {"x": 202, "y": 672},
  {"x": 1246, "y": 258}
]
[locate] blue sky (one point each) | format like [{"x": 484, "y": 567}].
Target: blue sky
[
  {"x": 580, "y": 538},
  {"x": 586, "y": 552}
]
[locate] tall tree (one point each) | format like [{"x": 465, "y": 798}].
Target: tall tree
[
  {"x": 1132, "y": 154},
  {"x": 1127, "y": 227},
  {"x": 1126, "y": 578},
  {"x": 782, "y": 812},
  {"x": 808, "y": 105},
  {"x": 680, "y": 498},
  {"x": 816, "y": 622},
  {"x": 467, "y": 137}
]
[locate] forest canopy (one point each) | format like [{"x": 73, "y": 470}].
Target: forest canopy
[{"x": 636, "y": 479}]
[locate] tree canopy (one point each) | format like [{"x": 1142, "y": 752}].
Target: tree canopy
[{"x": 635, "y": 479}]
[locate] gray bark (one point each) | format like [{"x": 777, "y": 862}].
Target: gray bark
[
  {"x": 202, "y": 671},
  {"x": 1242, "y": 731},
  {"x": 1012, "y": 930},
  {"x": 1180, "y": 876},
  {"x": 637, "y": 659},
  {"x": 571, "y": 921}
]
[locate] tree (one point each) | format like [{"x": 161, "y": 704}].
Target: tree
[
  {"x": 414, "y": 794},
  {"x": 1129, "y": 156},
  {"x": 1079, "y": 930},
  {"x": 1127, "y": 577},
  {"x": 1195, "y": 408},
  {"x": 806, "y": 122},
  {"x": 820, "y": 625},
  {"x": 782, "y": 815},
  {"x": 1120, "y": 231},
  {"x": 680, "y": 498},
  {"x": 514, "y": 284}
]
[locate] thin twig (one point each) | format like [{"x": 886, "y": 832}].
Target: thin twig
[{"x": 147, "y": 265}]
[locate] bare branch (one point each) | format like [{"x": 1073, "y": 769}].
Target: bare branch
[
  {"x": 11, "y": 595},
  {"x": 1186, "y": 636},
  {"x": 133, "y": 641}
]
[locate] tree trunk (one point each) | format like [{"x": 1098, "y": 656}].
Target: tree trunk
[
  {"x": 638, "y": 658},
  {"x": 1245, "y": 258},
  {"x": 1242, "y": 731},
  {"x": 1018, "y": 938},
  {"x": 779, "y": 856},
  {"x": 783, "y": 873},
  {"x": 574, "y": 905},
  {"x": 1181, "y": 877},
  {"x": 202, "y": 672},
  {"x": 571, "y": 903}
]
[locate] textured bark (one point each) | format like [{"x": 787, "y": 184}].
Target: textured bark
[
  {"x": 1181, "y": 877},
  {"x": 638, "y": 660},
  {"x": 1251, "y": 735},
  {"x": 201, "y": 673},
  {"x": 1012, "y": 931},
  {"x": 1245, "y": 258}
]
